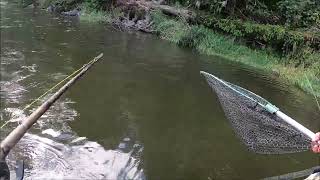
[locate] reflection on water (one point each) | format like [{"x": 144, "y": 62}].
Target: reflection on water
[{"x": 144, "y": 112}]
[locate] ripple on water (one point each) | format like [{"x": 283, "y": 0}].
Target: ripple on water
[
  {"x": 58, "y": 76},
  {"x": 6, "y": 27},
  {"x": 31, "y": 68},
  {"x": 3, "y": 3},
  {"x": 88, "y": 160},
  {"x": 15, "y": 114},
  {"x": 9, "y": 56},
  {"x": 57, "y": 117},
  {"x": 12, "y": 92}
]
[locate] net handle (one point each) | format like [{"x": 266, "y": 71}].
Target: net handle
[
  {"x": 295, "y": 124},
  {"x": 271, "y": 109}
]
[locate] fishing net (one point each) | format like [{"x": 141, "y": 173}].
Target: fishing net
[{"x": 261, "y": 131}]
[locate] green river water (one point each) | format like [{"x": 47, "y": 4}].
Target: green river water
[{"x": 143, "y": 112}]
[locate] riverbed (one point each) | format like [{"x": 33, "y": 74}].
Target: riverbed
[{"x": 143, "y": 112}]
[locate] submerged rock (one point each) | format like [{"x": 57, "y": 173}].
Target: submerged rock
[{"x": 51, "y": 8}]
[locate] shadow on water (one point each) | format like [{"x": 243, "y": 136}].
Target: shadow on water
[{"x": 144, "y": 112}]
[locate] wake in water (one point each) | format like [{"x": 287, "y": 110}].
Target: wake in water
[{"x": 81, "y": 159}]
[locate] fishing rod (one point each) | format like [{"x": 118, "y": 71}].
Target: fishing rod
[{"x": 13, "y": 138}]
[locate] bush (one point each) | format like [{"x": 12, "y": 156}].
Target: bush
[
  {"x": 91, "y": 15},
  {"x": 167, "y": 28},
  {"x": 281, "y": 38},
  {"x": 95, "y": 4},
  {"x": 193, "y": 37},
  {"x": 300, "y": 13},
  {"x": 98, "y": 5}
]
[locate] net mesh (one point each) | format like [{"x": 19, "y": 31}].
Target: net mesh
[{"x": 261, "y": 131}]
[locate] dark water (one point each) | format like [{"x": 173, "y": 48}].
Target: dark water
[{"x": 144, "y": 112}]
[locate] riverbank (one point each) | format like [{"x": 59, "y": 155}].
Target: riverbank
[
  {"x": 209, "y": 42},
  {"x": 224, "y": 43}
]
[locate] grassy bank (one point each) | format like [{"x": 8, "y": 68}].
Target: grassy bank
[
  {"x": 209, "y": 42},
  {"x": 89, "y": 15}
]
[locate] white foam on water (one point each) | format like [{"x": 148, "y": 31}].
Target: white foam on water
[
  {"x": 3, "y": 3},
  {"x": 12, "y": 92},
  {"x": 31, "y": 68},
  {"x": 17, "y": 115},
  {"x": 48, "y": 159},
  {"x": 6, "y": 27},
  {"x": 51, "y": 132}
]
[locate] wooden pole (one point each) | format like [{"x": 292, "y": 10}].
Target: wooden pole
[{"x": 13, "y": 138}]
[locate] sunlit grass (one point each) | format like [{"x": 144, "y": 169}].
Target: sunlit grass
[
  {"x": 90, "y": 15},
  {"x": 169, "y": 29}
]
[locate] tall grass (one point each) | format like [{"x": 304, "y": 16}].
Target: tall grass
[
  {"x": 208, "y": 42},
  {"x": 169, "y": 29},
  {"x": 91, "y": 15}
]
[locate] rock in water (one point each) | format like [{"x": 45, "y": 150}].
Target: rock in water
[
  {"x": 51, "y": 8},
  {"x": 74, "y": 12}
]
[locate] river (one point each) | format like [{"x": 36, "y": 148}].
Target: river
[{"x": 143, "y": 112}]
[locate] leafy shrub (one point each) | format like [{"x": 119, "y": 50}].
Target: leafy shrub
[
  {"x": 279, "y": 37},
  {"x": 92, "y": 15},
  {"x": 300, "y": 13},
  {"x": 168, "y": 28},
  {"x": 193, "y": 37},
  {"x": 63, "y": 5},
  {"x": 93, "y": 4},
  {"x": 305, "y": 57},
  {"x": 99, "y": 4}
]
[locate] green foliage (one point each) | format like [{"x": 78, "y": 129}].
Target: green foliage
[
  {"x": 276, "y": 36},
  {"x": 294, "y": 13},
  {"x": 62, "y": 5},
  {"x": 167, "y": 28},
  {"x": 26, "y": 3},
  {"x": 93, "y": 15},
  {"x": 193, "y": 37},
  {"x": 41, "y": 3},
  {"x": 216, "y": 6},
  {"x": 90, "y": 15},
  {"x": 300, "y": 13},
  {"x": 95, "y": 4},
  {"x": 46, "y": 3},
  {"x": 258, "y": 10},
  {"x": 306, "y": 57}
]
